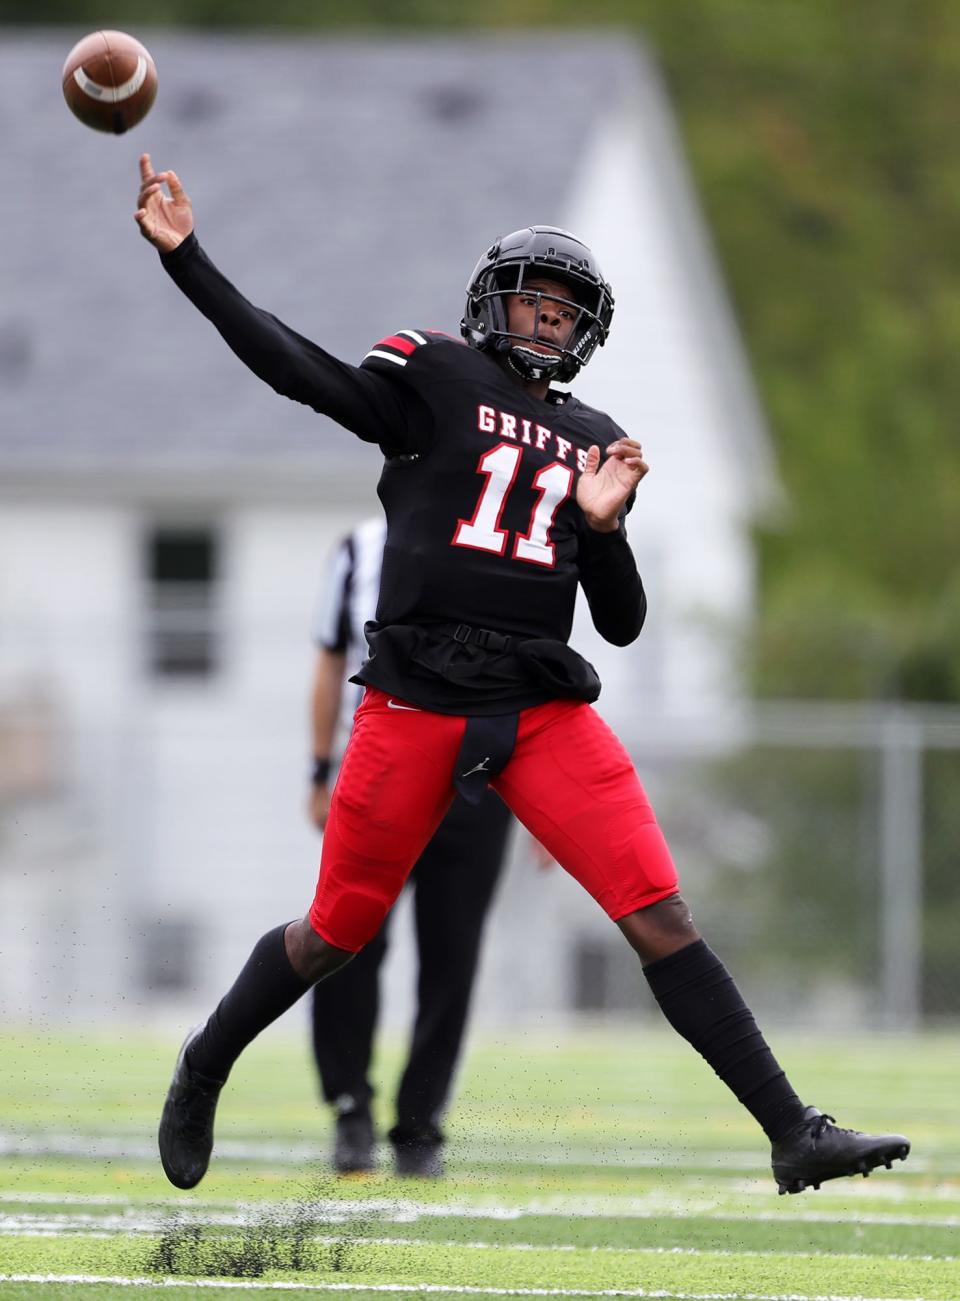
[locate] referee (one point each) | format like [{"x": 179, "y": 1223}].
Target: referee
[{"x": 453, "y": 883}]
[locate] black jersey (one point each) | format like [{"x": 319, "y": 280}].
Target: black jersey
[{"x": 485, "y": 542}]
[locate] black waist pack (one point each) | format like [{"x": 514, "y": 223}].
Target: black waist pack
[
  {"x": 477, "y": 659},
  {"x": 558, "y": 667}
]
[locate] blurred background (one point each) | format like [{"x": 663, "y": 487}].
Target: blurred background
[{"x": 772, "y": 187}]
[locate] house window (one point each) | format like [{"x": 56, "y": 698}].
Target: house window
[{"x": 182, "y": 601}]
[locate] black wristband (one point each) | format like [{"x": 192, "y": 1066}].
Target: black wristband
[{"x": 320, "y": 773}]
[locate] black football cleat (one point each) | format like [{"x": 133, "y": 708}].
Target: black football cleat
[
  {"x": 354, "y": 1150},
  {"x": 186, "y": 1125},
  {"x": 817, "y": 1149},
  {"x": 417, "y": 1153}
]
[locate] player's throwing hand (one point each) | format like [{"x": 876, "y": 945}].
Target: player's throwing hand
[
  {"x": 165, "y": 222},
  {"x": 604, "y": 488}
]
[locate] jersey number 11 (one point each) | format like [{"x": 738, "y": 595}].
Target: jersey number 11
[{"x": 483, "y": 532}]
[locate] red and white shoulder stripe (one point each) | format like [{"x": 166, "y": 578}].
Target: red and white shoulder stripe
[{"x": 398, "y": 347}]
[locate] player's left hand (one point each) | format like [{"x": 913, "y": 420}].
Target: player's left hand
[{"x": 607, "y": 481}]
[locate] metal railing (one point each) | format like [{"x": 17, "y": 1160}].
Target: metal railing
[{"x": 816, "y": 842}]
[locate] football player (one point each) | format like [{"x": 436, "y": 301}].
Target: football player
[{"x": 502, "y": 493}]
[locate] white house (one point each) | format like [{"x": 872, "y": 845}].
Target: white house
[{"x": 164, "y": 517}]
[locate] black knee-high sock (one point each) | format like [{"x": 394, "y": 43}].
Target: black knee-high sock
[
  {"x": 265, "y": 988},
  {"x": 697, "y": 995}
]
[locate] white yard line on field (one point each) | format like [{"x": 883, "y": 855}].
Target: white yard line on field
[
  {"x": 388, "y": 1210},
  {"x": 486, "y": 1154},
  {"x": 135, "y": 1147},
  {"x": 423, "y": 1289},
  {"x": 92, "y": 1226}
]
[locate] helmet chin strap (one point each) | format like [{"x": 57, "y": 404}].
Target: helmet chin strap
[{"x": 531, "y": 364}]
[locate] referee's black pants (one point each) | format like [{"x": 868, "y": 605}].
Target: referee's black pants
[{"x": 453, "y": 882}]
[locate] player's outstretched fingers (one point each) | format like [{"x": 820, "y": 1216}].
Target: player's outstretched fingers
[
  {"x": 592, "y": 461},
  {"x": 174, "y": 186},
  {"x": 625, "y": 448},
  {"x": 148, "y": 180}
]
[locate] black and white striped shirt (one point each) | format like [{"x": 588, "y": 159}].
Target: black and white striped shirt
[{"x": 349, "y": 600}]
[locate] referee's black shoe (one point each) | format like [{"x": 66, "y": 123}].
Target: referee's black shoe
[
  {"x": 417, "y": 1152},
  {"x": 817, "y": 1149},
  {"x": 354, "y": 1148},
  {"x": 186, "y": 1125}
]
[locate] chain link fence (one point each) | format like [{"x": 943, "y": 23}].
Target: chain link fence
[{"x": 816, "y": 844}]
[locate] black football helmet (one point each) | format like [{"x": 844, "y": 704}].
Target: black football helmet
[{"x": 538, "y": 251}]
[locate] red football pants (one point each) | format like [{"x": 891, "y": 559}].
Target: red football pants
[{"x": 569, "y": 781}]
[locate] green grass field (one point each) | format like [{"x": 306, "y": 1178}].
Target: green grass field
[{"x": 595, "y": 1165}]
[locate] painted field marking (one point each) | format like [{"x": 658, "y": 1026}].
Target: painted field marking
[
  {"x": 52, "y": 1228},
  {"x": 599, "y": 1154},
  {"x": 405, "y": 1211},
  {"x": 422, "y": 1289}
]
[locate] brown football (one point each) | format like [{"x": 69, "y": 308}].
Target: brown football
[{"x": 109, "y": 81}]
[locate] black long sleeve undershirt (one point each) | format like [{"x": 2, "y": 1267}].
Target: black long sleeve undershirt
[
  {"x": 612, "y": 585},
  {"x": 364, "y": 402}
]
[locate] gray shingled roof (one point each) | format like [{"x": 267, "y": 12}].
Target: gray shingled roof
[{"x": 347, "y": 186}]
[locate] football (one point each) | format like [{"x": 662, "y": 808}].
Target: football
[{"x": 109, "y": 81}]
